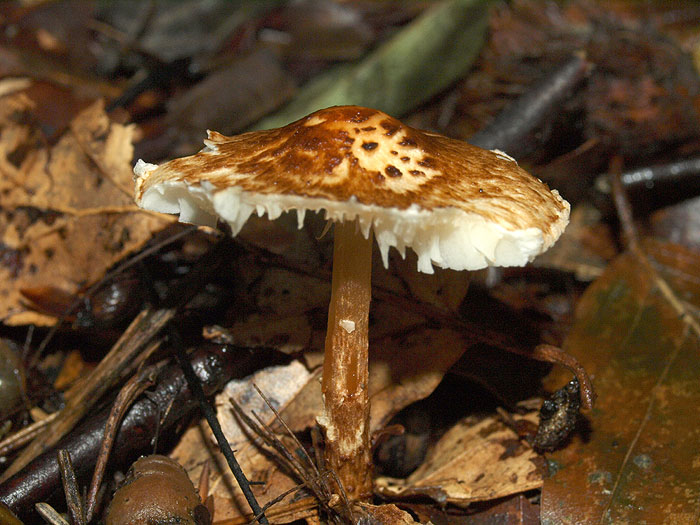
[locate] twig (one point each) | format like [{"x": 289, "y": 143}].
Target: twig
[
  {"x": 50, "y": 515},
  {"x": 306, "y": 458},
  {"x": 300, "y": 452},
  {"x": 315, "y": 482},
  {"x": 276, "y": 500},
  {"x": 83, "y": 396},
  {"x": 127, "y": 395},
  {"x": 25, "y": 435},
  {"x": 215, "y": 365},
  {"x": 70, "y": 488},
  {"x": 196, "y": 388},
  {"x": 552, "y": 354},
  {"x": 510, "y": 129},
  {"x": 622, "y": 205},
  {"x": 283, "y": 454}
]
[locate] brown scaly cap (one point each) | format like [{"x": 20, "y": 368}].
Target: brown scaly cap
[{"x": 415, "y": 188}]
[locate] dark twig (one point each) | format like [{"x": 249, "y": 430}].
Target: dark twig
[
  {"x": 552, "y": 354},
  {"x": 509, "y": 130},
  {"x": 300, "y": 448},
  {"x": 681, "y": 173},
  {"x": 285, "y": 456},
  {"x": 85, "y": 394},
  {"x": 274, "y": 501},
  {"x": 196, "y": 388},
  {"x": 314, "y": 481},
  {"x": 127, "y": 395},
  {"x": 650, "y": 187},
  {"x": 622, "y": 205},
  {"x": 25, "y": 435},
  {"x": 71, "y": 489},
  {"x": 141, "y": 330}
]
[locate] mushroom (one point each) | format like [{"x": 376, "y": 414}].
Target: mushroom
[
  {"x": 456, "y": 205},
  {"x": 156, "y": 490}
]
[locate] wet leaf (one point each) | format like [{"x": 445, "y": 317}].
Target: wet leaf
[
  {"x": 417, "y": 63},
  {"x": 212, "y": 103},
  {"x": 515, "y": 510},
  {"x": 637, "y": 334}
]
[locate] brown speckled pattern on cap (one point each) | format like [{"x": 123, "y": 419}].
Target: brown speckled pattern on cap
[{"x": 347, "y": 151}]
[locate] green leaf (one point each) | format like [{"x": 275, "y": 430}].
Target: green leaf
[{"x": 421, "y": 60}]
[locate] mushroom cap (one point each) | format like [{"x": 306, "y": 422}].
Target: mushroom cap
[{"x": 456, "y": 205}]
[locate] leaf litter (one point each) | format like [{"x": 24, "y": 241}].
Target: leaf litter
[
  {"x": 67, "y": 213},
  {"x": 67, "y": 217}
]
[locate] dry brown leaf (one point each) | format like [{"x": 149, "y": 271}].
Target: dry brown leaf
[
  {"x": 67, "y": 212},
  {"x": 286, "y": 334},
  {"x": 284, "y": 293},
  {"x": 408, "y": 367},
  {"x": 478, "y": 459},
  {"x": 281, "y": 384},
  {"x": 403, "y": 369},
  {"x": 444, "y": 289},
  {"x": 387, "y": 515}
]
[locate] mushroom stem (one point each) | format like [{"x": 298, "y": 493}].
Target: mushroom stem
[{"x": 346, "y": 363}]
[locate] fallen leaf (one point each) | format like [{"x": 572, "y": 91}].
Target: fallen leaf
[
  {"x": 403, "y": 369},
  {"x": 281, "y": 385},
  {"x": 637, "y": 334},
  {"x": 515, "y": 510},
  {"x": 407, "y": 359},
  {"x": 287, "y": 334},
  {"x": 386, "y": 515},
  {"x": 67, "y": 211},
  {"x": 212, "y": 104},
  {"x": 478, "y": 459},
  {"x": 408, "y": 367},
  {"x": 421, "y": 60},
  {"x": 584, "y": 248}
]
